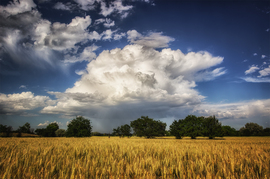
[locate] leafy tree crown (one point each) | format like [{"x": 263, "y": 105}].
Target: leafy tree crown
[{"x": 79, "y": 127}]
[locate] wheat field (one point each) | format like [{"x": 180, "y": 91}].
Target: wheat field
[{"x": 103, "y": 157}]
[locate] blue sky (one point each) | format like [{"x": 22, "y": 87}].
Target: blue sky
[{"x": 114, "y": 61}]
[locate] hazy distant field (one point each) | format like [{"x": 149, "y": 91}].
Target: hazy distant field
[{"x": 101, "y": 157}]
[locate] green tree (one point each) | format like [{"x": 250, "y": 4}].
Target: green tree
[
  {"x": 266, "y": 131},
  {"x": 26, "y": 128},
  {"x": 19, "y": 133},
  {"x": 60, "y": 133},
  {"x": 51, "y": 128},
  {"x": 211, "y": 127},
  {"x": 251, "y": 129},
  {"x": 9, "y": 131},
  {"x": 125, "y": 130},
  {"x": 190, "y": 126},
  {"x": 5, "y": 130},
  {"x": 148, "y": 127},
  {"x": 193, "y": 126},
  {"x": 229, "y": 131},
  {"x": 122, "y": 131},
  {"x": 42, "y": 132},
  {"x": 177, "y": 128},
  {"x": 167, "y": 133},
  {"x": 117, "y": 132},
  {"x": 79, "y": 127}
]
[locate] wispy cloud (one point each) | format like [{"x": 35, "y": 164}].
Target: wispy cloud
[
  {"x": 115, "y": 7},
  {"x": 152, "y": 39},
  {"x": 252, "y": 69},
  {"x": 265, "y": 72},
  {"x": 23, "y": 87},
  {"x": 107, "y": 22},
  {"x": 86, "y": 5},
  {"x": 256, "y": 80},
  {"x": 46, "y": 123},
  {"x": 61, "y": 6},
  {"x": 262, "y": 70},
  {"x": 88, "y": 54}
]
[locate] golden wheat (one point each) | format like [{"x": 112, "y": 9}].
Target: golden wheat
[{"x": 101, "y": 157}]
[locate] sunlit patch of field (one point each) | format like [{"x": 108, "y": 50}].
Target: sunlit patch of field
[{"x": 103, "y": 157}]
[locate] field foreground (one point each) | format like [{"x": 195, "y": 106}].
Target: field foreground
[{"x": 103, "y": 157}]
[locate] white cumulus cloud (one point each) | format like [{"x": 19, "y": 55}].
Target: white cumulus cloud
[
  {"x": 18, "y": 103},
  {"x": 125, "y": 83},
  {"x": 60, "y": 36}
]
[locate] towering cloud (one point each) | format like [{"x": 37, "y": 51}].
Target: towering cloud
[{"x": 123, "y": 84}]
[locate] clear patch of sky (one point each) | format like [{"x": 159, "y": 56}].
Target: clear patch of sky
[{"x": 229, "y": 92}]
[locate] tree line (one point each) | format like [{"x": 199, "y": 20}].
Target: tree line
[
  {"x": 78, "y": 127},
  {"x": 192, "y": 126}
]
